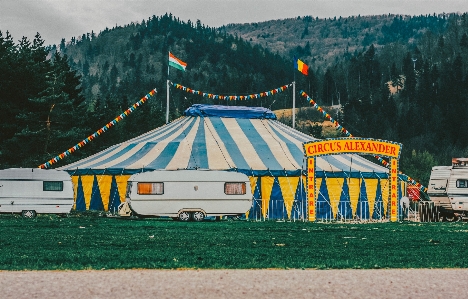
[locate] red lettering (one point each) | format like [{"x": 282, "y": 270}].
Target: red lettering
[
  {"x": 381, "y": 147},
  {"x": 393, "y": 170},
  {"x": 393, "y": 152},
  {"x": 338, "y": 144},
  {"x": 393, "y": 204},
  {"x": 368, "y": 147},
  {"x": 356, "y": 146},
  {"x": 319, "y": 148},
  {"x": 325, "y": 147},
  {"x": 375, "y": 147},
  {"x": 311, "y": 149},
  {"x": 393, "y": 187},
  {"x": 311, "y": 170},
  {"x": 363, "y": 146}
]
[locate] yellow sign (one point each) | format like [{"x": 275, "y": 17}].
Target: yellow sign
[
  {"x": 393, "y": 190},
  {"x": 311, "y": 187},
  {"x": 352, "y": 145}
]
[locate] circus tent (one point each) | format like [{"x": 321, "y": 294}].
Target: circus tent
[{"x": 244, "y": 139}]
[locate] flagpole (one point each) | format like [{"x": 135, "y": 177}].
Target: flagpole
[
  {"x": 167, "y": 93},
  {"x": 294, "y": 102}
]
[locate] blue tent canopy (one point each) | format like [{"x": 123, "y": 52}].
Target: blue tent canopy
[{"x": 243, "y": 139}]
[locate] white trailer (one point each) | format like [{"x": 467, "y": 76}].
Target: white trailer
[
  {"x": 448, "y": 189},
  {"x": 30, "y": 191},
  {"x": 188, "y": 194}
]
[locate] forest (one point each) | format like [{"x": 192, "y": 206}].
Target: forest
[{"x": 398, "y": 78}]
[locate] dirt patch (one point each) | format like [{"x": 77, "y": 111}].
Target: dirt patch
[{"x": 388, "y": 283}]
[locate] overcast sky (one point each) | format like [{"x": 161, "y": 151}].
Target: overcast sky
[{"x": 57, "y": 19}]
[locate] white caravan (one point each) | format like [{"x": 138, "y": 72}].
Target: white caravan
[
  {"x": 448, "y": 189},
  {"x": 187, "y": 194},
  {"x": 30, "y": 191}
]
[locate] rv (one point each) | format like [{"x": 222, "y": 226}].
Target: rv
[
  {"x": 448, "y": 189},
  {"x": 187, "y": 194},
  {"x": 30, "y": 191}
]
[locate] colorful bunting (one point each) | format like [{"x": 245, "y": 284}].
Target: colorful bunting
[
  {"x": 232, "y": 98},
  {"x": 98, "y": 132},
  {"x": 348, "y": 134}
]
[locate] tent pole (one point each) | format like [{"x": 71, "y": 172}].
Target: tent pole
[
  {"x": 294, "y": 105},
  {"x": 167, "y": 102},
  {"x": 167, "y": 93}
]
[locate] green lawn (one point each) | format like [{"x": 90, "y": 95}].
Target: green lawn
[{"x": 90, "y": 242}]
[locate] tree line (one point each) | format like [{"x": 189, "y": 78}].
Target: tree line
[{"x": 405, "y": 84}]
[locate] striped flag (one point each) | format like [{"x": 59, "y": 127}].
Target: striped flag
[
  {"x": 301, "y": 66},
  {"x": 177, "y": 63}
]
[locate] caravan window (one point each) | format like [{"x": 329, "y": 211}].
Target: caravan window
[
  {"x": 234, "y": 188},
  {"x": 151, "y": 188},
  {"x": 52, "y": 186},
  {"x": 462, "y": 183}
]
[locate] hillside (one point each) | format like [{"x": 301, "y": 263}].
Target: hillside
[
  {"x": 127, "y": 61},
  {"x": 310, "y": 121},
  {"x": 321, "y": 42}
]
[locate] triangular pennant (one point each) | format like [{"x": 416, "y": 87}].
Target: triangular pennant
[
  {"x": 378, "y": 212},
  {"x": 334, "y": 186},
  {"x": 345, "y": 211},
  {"x": 354, "y": 185},
  {"x": 255, "y": 212},
  {"x": 323, "y": 207},
  {"x": 362, "y": 210},
  {"x": 114, "y": 196},
  {"x": 371, "y": 189},
  {"x": 299, "y": 209},
  {"x": 105, "y": 186},
  {"x": 266, "y": 186},
  {"x": 96, "y": 199},
  {"x": 80, "y": 203},
  {"x": 288, "y": 189},
  {"x": 276, "y": 207}
]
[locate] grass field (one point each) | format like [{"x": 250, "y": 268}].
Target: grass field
[{"x": 90, "y": 242}]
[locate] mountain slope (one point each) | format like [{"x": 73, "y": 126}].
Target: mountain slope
[{"x": 320, "y": 41}]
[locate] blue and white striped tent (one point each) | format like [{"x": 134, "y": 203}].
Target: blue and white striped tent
[{"x": 243, "y": 139}]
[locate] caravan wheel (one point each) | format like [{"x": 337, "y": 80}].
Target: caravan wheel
[
  {"x": 184, "y": 216},
  {"x": 450, "y": 217},
  {"x": 198, "y": 216},
  {"x": 28, "y": 213}
]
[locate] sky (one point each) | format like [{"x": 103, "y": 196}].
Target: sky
[{"x": 57, "y": 19}]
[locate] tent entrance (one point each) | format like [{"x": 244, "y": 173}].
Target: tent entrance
[{"x": 314, "y": 149}]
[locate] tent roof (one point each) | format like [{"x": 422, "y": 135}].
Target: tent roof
[{"x": 254, "y": 146}]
